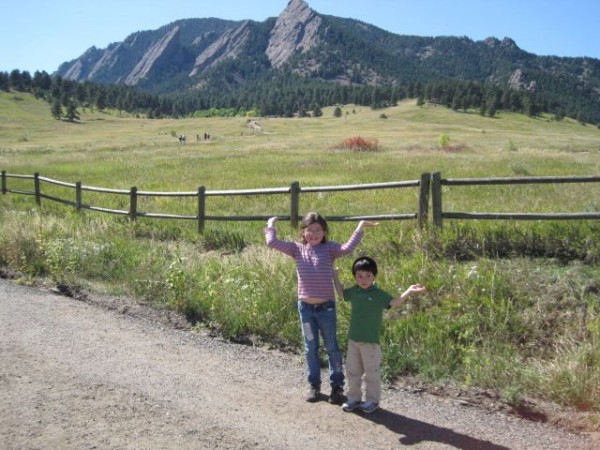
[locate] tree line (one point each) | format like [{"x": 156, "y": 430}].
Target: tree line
[
  {"x": 66, "y": 97},
  {"x": 284, "y": 94}
]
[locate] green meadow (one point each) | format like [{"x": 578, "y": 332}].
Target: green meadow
[{"x": 512, "y": 306}]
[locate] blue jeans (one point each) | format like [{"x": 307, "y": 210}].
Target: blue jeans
[{"x": 321, "y": 320}]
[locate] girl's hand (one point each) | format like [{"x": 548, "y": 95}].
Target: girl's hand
[
  {"x": 339, "y": 288},
  {"x": 271, "y": 222},
  {"x": 366, "y": 223}
]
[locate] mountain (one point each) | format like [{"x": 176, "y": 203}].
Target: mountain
[{"x": 196, "y": 57}]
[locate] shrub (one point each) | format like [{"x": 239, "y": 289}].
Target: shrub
[
  {"x": 358, "y": 144},
  {"x": 444, "y": 141}
]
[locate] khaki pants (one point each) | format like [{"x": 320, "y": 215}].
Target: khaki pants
[{"x": 363, "y": 358}]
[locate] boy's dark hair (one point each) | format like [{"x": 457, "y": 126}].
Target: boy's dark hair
[
  {"x": 365, "y": 264},
  {"x": 309, "y": 219}
]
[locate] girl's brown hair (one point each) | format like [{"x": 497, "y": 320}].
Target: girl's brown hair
[{"x": 309, "y": 219}]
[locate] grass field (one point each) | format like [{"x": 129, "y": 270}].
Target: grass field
[{"x": 512, "y": 306}]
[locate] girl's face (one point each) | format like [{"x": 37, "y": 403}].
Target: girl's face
[
  {"x": 364, "y": 279},
  {"x": 313, "y": 234}
]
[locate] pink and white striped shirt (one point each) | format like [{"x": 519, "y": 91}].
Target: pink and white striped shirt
[{"x": 314, "y": 264}]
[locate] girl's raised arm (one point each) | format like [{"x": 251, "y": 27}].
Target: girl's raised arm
[{"x": 365, "y": 223}]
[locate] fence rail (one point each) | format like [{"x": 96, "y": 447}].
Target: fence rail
[
  {"x": 429, "y": 186},
  {"x": 294, "y": 191},
  {"x": 438, "y": 214}
]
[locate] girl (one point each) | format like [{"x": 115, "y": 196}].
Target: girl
[{"x": 314, "y": 256}]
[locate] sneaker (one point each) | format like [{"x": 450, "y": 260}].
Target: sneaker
[
  {"x": 337, "y": 395},
  {"x": 368, "y": 407},
  {"x": 351, "y": 405},
  {"x": 313, "y": 393}
]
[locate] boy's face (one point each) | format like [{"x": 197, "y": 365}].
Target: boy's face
[
  {"x": 314, "y": 234},
  {"x": 364, "y": 279}
]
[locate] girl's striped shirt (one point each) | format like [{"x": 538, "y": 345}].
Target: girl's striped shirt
[{"x": 314, "y": 264}]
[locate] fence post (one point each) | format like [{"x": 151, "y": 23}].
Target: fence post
[
  {"x": 295, "y": 204},
  {"x": 4, "y": 189},
  {"x": 133, "y": 203},
  {"x": 436, "y": 199},
  {"x": 78, "y": 196},
  {"x": 36, "y": 184},
  {"x": 423, "y": 199},
  {"x": 201, "y": 208}
]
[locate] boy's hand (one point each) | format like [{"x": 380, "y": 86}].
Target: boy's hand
[
  {"x": 412, "y": 290},
  {"x": 416, "y": 289},
  {"x": 271, "y": 222}
]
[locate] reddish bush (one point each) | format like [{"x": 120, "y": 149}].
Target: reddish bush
[{"x": 359, "y": 144}]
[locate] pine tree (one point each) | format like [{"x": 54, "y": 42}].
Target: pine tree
[
  {"x": 56, "y": 109},
  {"x": 72, "y": 113}
]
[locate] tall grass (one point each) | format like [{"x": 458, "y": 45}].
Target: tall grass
[
  {"x": 519, "y": 325},
  {"x": 512, "y": 306}
]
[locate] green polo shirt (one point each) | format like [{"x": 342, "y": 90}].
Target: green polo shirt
[{"x": 367, "y": 312}]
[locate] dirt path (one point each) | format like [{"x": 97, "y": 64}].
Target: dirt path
[{"x": 99, "y": 375}]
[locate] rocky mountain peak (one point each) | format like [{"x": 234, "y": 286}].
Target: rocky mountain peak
[
  {"x": 158, "y": 50},
  {"x": 227, "y": 46},
  {"x": 296, "y": 30}
]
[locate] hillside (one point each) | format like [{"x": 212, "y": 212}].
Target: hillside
[
  {"x": 32, "y": 138},
  {"x": 503, "y": 146},
  {"x": 403, "y": 125}
]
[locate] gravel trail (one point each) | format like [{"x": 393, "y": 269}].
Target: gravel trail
[{"x": 103, "y": 375}]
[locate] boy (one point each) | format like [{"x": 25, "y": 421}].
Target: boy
[{"x": 368, "y": 302}]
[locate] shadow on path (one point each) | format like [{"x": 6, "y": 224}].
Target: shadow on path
[{"x": 415, "y": 431}]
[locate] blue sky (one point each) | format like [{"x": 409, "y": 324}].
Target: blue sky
[{"x": 37, "y": 35}]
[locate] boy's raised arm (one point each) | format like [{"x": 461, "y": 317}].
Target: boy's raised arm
[{"x": 412, "y": 290}]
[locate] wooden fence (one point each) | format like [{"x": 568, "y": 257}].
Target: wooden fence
[
  {"x": 294, "y": 191},
  {"x": 428, "y": 185},
  {"x": 438, "y": 214}
]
